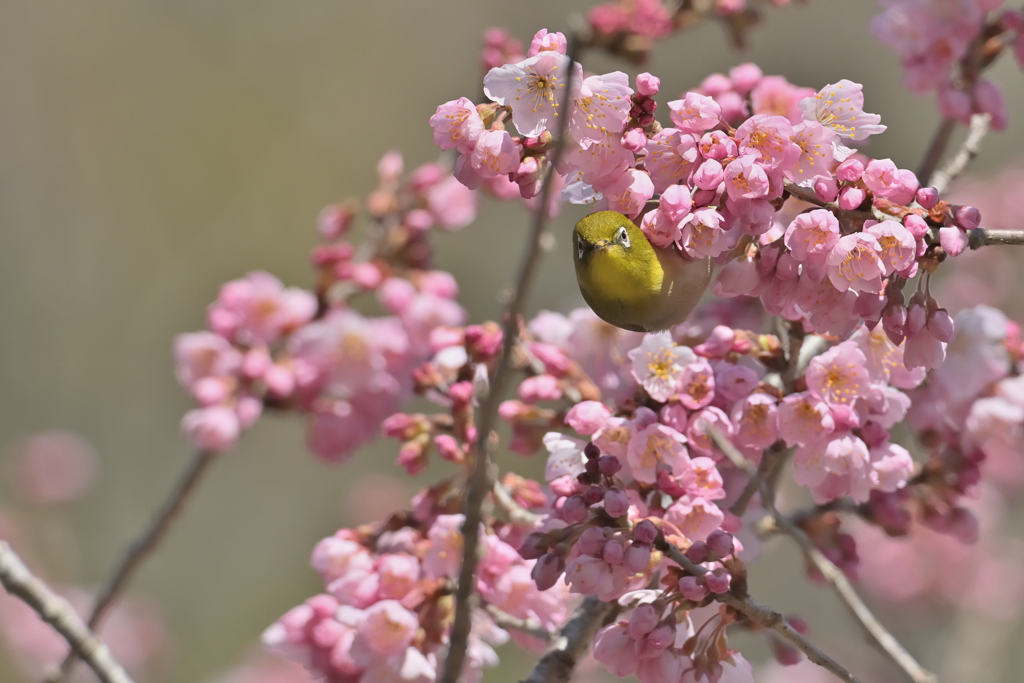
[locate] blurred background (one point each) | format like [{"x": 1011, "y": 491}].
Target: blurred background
[{"x": 151, "y": 150}]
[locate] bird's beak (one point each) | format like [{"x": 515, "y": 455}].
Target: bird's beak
[{"x": 601, "y": 244}]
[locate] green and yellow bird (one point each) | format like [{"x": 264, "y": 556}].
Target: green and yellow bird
[{"x": 629, "y": 282}]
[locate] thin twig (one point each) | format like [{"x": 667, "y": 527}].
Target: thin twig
[
  {"x": 980, "y": 124},
  {"x": 513, "y": 511},
  {"x": 833, "y": 575},
  {"x": 763, "y": 615},
  {"x": 142, "y": 547},
  {"x": 58, "y": 613},
  {"x": 936, "y": 148},
  {"x": 572, "y": 642},
  {"x": 981, "y": 237},
  {"x": 860, "y": 611},
  {"x": 771, "y": 459},
  {"x": 480, "y": 479},
  {"x": 530, "y": 627}
]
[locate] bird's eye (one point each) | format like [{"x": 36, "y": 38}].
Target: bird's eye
[
  {"x": 579, "y": 247},
  {"x": 623, "y": 236}
]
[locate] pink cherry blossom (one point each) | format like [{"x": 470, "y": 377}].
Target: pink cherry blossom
[
  {"x": 695, "y": 113},
  {"x": 774, "y": 95},
  {"x": 457, "y": 125},
  {"x": 839, "y": 376},
  {"x": 840, "y": 106},
  {"x": 771, "y": 136},
  {"x": 495, "y": 153},
  {"x": 601, "y": 106},
  {"x": 534, "y": 89},
  {"x": 656, "y": 446},
  {"x": 896, "y": 244},
  {"x": 671, "y": 157},
  {"x": 854, "y": 263},
  {"x": 658, "y": 363}
]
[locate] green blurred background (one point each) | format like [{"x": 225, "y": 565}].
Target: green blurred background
[{"x": 151, "y": 150}]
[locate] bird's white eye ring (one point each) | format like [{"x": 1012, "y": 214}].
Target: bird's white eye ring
[
  {"x": 579, "y": 247},
  {"x": 623, "y": 236}
]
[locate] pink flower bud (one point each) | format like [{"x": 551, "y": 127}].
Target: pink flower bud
[
  {"x": 917, "y": 317},
  {"x": 210, "y": 391},
  {"x": 645, "y": 532},
  {"x": 745, "y": 76},
  {"x": 709, "y": 175},
  {"x": 676, "y": 202},
  {"x": 967, "y": 218},
  {"x": 954, "y": 104},
  {"x": 698, "y": 552},
  {"x": 643, "y": 620},
  {"x": 574, "y": 509},
  {"x": 851, "y": 197},
  {"x": 637, "y": 558},
  {"x": 449, "y": 449},
  {"x": 850, "y": 170},
  {"x": 647, "y": 85},
  {"x": 591, "y": 541},
  {"x": 720, "y": 543},
  {"x": 882, "y": 177},
  {"x": 826, "y": 188},
  {"x": 940, "y": 325},
  {"x": 894, "y": 320},
  {"x": 655, "y": 642},
  {"x": 533, "y": 547},
  {"x": 927, "y": 197},
  {"x": 547, "y": 570},
  {"x": 613, "y": 552},
  {"x": 716, "y": 144},
  {"x": 718, "y": 580},
  {"x": 609, "y": 465},
  {"x": 215, "y": 428},
  {"x": 916, "y": 225},
  {"x": 787, "y": 267},
  {"x": 334, "y": 221},
  {"x": 616, "y": 502},
  {"x": 692, "y": 588},
  {"x": 953, "y": 240},
  {"x": 634, "y": 140}
]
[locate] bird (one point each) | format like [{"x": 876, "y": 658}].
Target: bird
[{"x": 629, "y": 282}]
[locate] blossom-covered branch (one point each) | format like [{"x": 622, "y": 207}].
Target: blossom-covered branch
[
  {"x": 572, "y": 642},
  {"x": 56, "y": 611}
]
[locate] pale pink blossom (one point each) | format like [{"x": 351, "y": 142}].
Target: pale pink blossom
[
  {"x": 812, "y": 235},
  {"x": 755, "y": 421},
  {"x": 601, "y": 106},
  {"x": 839, "y": 376},
  {"x": 495, "y": 153},
  {"x": 854, "y": 263},
  {"x": 258, "y": 309},
  {"x": 771, "y": 136},
  {"x": 816, "y": 153},
  {"x": 566, "y": 456},
  {"x": 457, "y": 125},
  {"x": 656, "y": 446},
  {"x": 702, "y": 234},
  {"x": 534, "y": 89},
  {"x": 840, "y": 106},
  {"x": 588, "y": 417},
  {"x": 882, "y": 177},
  {"x": 695, "y": 113},
  {"x": 657, "y": 364},
  {"x": 629, "y": 193},
  {"x": 445, "y": 554},
  {"x": 671, "y": 157},
  {"x": 897, "y": 246},
  {"x": 697, "y": 430},
  {"x": 804, "y": 420},
  {"x": 746, "y": 178},
  {"x": 544, "y": 41},
  {"x": 452, "y": 204},
  {"x": 696, "y": 387},
  {"x": 696, "y": 517},
  {"x": 774, "y": 95},
  {"x": 215, "y": 428}
]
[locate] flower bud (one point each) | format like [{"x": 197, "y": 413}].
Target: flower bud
[
  {"x": 692, "y": 588},
  {"x": 655, "y": 642},
  {"x": 967, "y": 218},
  {"x": 851, "y": 197},
  {"x": 940, "y": 325},
  {"x": 574, "y": 509},
  {"x": 916, "y": 225},
  {"x": 647, "y": 85},
  {"x": 547, "y": 570},
  {"x": 643, "y": 620},
  {"x": 927, "y": 197},
  {"x": 718, "y": 580},
  {"x": 850, "y": 170},
  {"x": 591, "y": 541},
  {"x": 613, "y": 552},
  {"x": 645, "y": 532},
  {"x": 720, "y": 543},
  {"x": 634, "y": 140},
  {"x": 616, "y": 502},
  {"x": 826, "y": 188},
  {"x": 533, "y": 546},
  {"x": 698, "y": 552},
  {"x": 637, "y": 558},
  {"x": 609, "y": 465}
]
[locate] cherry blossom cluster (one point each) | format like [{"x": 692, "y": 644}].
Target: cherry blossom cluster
[
  {"x": 659, "y": 645},
  {"x": 387, "y": 608},
  {"x": 943, "y": 46},
  {"x": 730, "y": 186},
  {"x": 286, "y": 348}
]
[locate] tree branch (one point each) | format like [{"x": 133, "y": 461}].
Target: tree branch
[
  {"x": 980, "y": 124},
  {"x": 513, "y": 511},
  {"x": 936, "y": 148},
  {"x": 833, "y": 575},
  {"x": 763, "y": 615},
  {"x": 530, "y": 627},
  {"x": 572, "y": 642},
  {"x": 141, "y": 547},
  {"x": 58, "y": 613},
  {"x": 480, "y": 482}
]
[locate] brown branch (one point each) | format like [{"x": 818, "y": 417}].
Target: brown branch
[
  {"x": 763, "y": 615},
  {"x": 530, "y": 627},
  {"x": 58, "y": 613},
  {"x": 936, "y": 148},
  {"x": 513, "y": 511},
  {"x": 833, "y": 575},
  {"x": 480, "y": 482},
  {"x": 980, "y": 124},
  {"x": 860, "y": 611},
  {"x": 141, "y": 547},
  {"x": 572, "y": 642}
]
